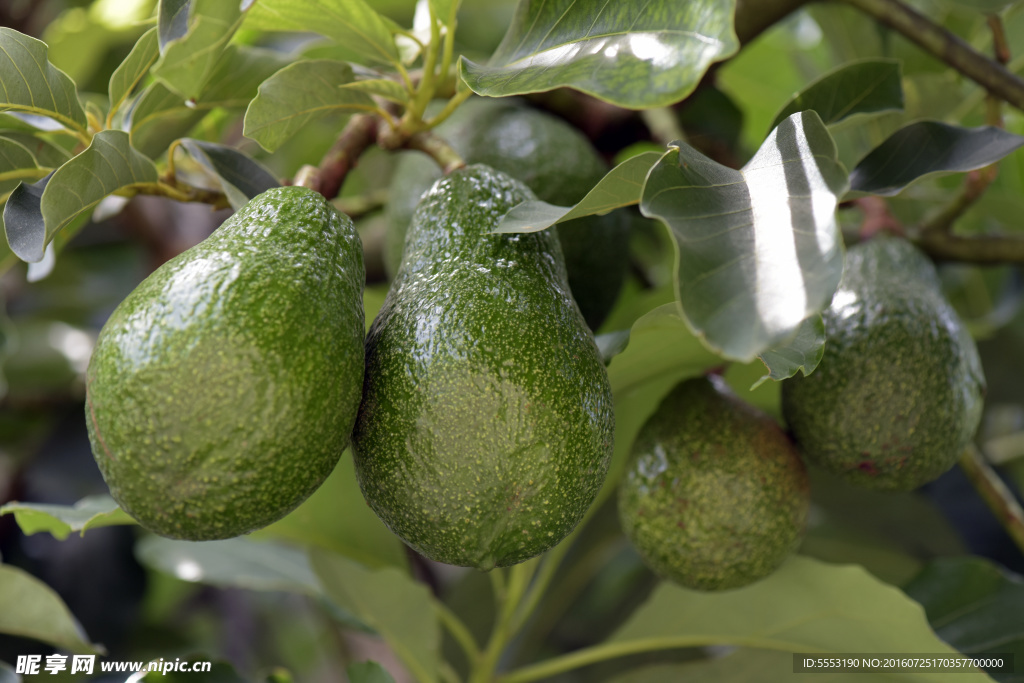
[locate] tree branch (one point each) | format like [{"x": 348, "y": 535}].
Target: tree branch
[
  {"x": 979, "y": 249},
  {"x": 995, "y": 493},
  {"x": 358, "y": 135},
  {"x": 946, "y": 46}
]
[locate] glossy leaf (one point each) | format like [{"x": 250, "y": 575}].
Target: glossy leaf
[
  {"x": 172, "y": 21},
  {"x": 975, "y": 606},
  {"x": 622, "y": 186},
  {"x": 353, "y": 23},
  {"x": 660, "y": 344},
  {"x": 927, "y": 147},
  {"x": 34, "y": 86},
  {"x": 382, "y": 87},
  {"x": 635, "y": 55},
  {"x": 298, "y": 94},
  {"x": 400, "y": 609},
  {"x": 23, "y": 219},
  {"x": 159, "y": 117},
  {"x": 368, "y": 672},
  {"x": 337, "y": 518},
  {"x": 758, "y": 250},
  {"x": 805, "y": 606},
  {"x": 801, "y": 354},
  {"x": 108, "y": 165},
  {"x": 856, "y": 88},
  {"x": 59, "y": 521},
  {"x": 133, "y": 69},
  {"x": 186, "y": 62},
  {"x": 241, "y": 178},
  {"x": 31, "y": 609}
]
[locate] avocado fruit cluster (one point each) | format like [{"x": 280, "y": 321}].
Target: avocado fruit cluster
[
  {"x": 715, "y": 495},
  {"x": 486, "y": 424},
  {"x": 223, "y": 389},
  {"x": 898, "y": 393},
  {"x": 554, "y": 160}
]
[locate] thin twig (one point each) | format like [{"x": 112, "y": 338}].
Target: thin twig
[
  {"x": 437, "y": 148},
  {"x": 978, "y": 249},
  {"x": 997, "y": 496},
  {"x": 358, "y": 135},
  {"x": 947, "y": 47}
]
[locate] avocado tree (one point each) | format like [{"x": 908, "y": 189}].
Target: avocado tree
[{"x": 691, "y": 174}]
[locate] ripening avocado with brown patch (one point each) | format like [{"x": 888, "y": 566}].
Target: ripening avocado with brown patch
[
  {"x": 898, "y": 393},
  {"x": 223, "y": 389},
  {"x": 486, "y": 425},
  {"x": 715, "y": 495}
]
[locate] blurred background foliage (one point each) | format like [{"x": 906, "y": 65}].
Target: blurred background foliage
[{"x": 141, "y": 598}]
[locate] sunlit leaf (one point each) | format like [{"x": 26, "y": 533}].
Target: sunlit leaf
[
  {"x": 241, "y": 177},
  {"x": 975, "y": 606},
  {"x": 368, "y": 672},
  {"x": 186, "y": 62},
  {"x": 855, "y": 88},
  {"x": 927, "y": 147},
  {"x": 108, "y": 165},
  {"x": 635, "y": 55},
  {"x": 60, "y": 520},
  {"x": 353, "y": 23},
  {"x": 801, "y": 354},
  {"x": 31, "y": 609},
  {"x": 389, "y": 601},
  {"x": 299, "y": 94},
  {"x": 758, "y": 250},
  {"x": 622, "y": 186},
  {"x": 133, "y": 69},
  {"x": 805, "y": 606},
  {"x": 32, "y": 85}
]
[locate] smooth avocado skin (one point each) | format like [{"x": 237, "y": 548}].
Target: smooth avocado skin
[
  {"x": 223, "y": 389},
  {"x": 486, "y": 425},
  {"x": 898, "y": 394},
  {"x": 554, "y": 160},
  {"x": 714, "y": 496}
]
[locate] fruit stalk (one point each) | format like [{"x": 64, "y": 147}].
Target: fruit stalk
[{"x": 995, "y": 493}]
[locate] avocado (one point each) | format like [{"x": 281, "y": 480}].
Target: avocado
[
  {"x": 223, "y": 389},
  {"x": 897, "y": 395},
  {"x": 486, "y": 425},
  {"x": 554, "y": 160},
  {"x": 715, "y": 495}
]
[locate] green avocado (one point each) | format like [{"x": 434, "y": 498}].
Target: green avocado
[
  {"x": 486, "y": 425},
  {"x": 715, "y": 495},
  {"x": 898, "y": 393},
  {"x": 554, "y": 160},
  {"x": 223, "y": 389}
]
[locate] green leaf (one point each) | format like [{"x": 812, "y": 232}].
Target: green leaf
[
  {"x": 172, "y": 21},
  {"x": 16, "y": 164},
  {"x": 31, "y": 609},
  {"x": 108, "y": 165},
  {"x": 635, "y": 55},
  {"x": 45, "y": 152},
  {"x": 237, "y": 76},
  {"x": 382, "y": 87},
  {"x": 398, "y": 608},
  {"x": 927, "y": 147},
  {"x": 337, "y": 518},
  {"x": 186, "y": 62},
  {"x": 368, "y": 672},
  {"x": 802, "y": 353},
  {"x": 34, "y": 86},
  {"x": 133, "y": 69},
  {"x": 298, "y": 94},
  {"x": 622, "y": 186},
  {"x": 23, "y": 219},
  {"x": 59, "y": 521},
  {"x": 856, "y": 88},
  {"x": 241, "y": 178},
  {"x": 975, "y": 606},
  {"x": 660, "y": 344},
  {"x": 805, "y": 606},
  {"x": 159, "y": 117},
  {"x": 758, "y": 250},
  {"x": 353, "y": 23}
]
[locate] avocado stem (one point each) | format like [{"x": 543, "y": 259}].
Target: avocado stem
[
  {"x": 360, "y": 132},
  {"x": 995, "y": 493}
]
